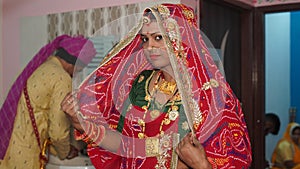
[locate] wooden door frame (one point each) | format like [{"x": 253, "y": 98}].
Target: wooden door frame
[
  {"x": 253, "y": 70},
  {"x": 248, "y": 82},
  {"x": 259, "y": 56}
]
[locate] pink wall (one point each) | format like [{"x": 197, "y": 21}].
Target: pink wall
[{"x": 259, "y": 3}]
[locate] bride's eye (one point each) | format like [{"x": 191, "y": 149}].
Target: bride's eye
[
  {"x": 144, "y": 39},
  {"x": 158, "y": 37}
]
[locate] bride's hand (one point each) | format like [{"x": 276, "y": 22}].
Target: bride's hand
[
  {"x": 70, "y": 106},
  {"x": 192, "y": 153},
  {"x": 181, "y": 165}
]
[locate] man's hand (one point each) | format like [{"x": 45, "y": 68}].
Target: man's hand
[{"x": 73, "y": 152}]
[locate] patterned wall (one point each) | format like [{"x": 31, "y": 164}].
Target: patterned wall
[
  {"x": 101, "y": 25},
  {"x": 87, "y": 22}
]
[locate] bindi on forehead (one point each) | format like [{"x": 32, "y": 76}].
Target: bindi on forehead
[{"x": 147, "y": 25}]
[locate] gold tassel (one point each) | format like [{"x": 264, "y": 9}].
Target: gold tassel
[{"x": 43, "y": 155}]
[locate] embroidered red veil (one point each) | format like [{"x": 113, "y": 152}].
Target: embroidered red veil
[{"x": 212, "y": 110}]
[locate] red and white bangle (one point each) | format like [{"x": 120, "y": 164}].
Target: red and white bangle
[{"x": 93, "y": 134}]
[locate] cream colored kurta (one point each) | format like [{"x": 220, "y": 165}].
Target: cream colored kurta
[{"x": 47, "y": 87}]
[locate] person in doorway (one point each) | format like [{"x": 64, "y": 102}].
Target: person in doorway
[
  {"x": 286, "y": 154},
  {"x": 272, "y": 124},
  {"x": 159, "y": 101},
  {"x": 31, "y": 113}
]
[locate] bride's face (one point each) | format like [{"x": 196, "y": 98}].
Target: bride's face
[{"x": 154, "y": 46}]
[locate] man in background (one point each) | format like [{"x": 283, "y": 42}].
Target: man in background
[
  {"x": 31, "y": 113},
  {"x": 272, "y": 124}
]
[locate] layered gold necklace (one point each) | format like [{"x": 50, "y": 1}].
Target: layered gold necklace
[{"x": 172, "y": 113}]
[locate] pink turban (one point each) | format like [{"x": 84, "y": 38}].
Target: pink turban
[{"x": 79, "y": 47}]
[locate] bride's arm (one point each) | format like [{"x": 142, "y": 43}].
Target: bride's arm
[{"x": 88, "y": 131}]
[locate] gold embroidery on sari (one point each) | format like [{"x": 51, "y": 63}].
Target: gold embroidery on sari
[
  {"x": 197, "y": 115},
  {"x": 185, "y": 126},
  {"x": 163, "y": 10},
  {"x": 174, "y": 159},
  {"x": 151, "y": 145},
  {"x": 211, "y": 83},
  {"x": 164, "y": 146}
]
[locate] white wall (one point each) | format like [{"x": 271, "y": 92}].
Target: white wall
[
  {"x": 277, "y": 72},
  {"x": 32, "y": 40}
]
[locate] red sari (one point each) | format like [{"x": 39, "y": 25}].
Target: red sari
[{"x": 114, "y": 95}]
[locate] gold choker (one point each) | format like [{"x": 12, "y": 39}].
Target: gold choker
[{"x": 167, "y": 87}]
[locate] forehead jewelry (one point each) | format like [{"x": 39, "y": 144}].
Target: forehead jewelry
[{"x": 146, "y": 20}]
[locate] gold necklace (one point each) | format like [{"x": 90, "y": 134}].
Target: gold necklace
[
  {"x": 167, "y": 87},
  {"x": 171, "y": 115}
]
